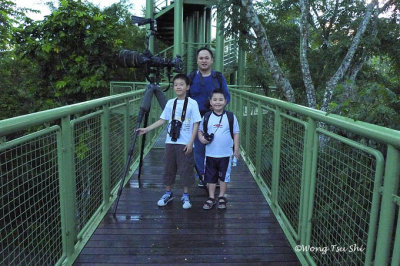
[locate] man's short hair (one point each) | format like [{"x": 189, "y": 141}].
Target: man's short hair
[
  {"x": 183, "y": 77},
  {"x": 204, "y": 49}
]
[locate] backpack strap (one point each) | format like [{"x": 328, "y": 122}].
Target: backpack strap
[
  {"x": 216, "y": 75},
  {"x": 205, "y": 121},
  {"x": 191, "y": 77},
  {"x": 230, "y": 120}
]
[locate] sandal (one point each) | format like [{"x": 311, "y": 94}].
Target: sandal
[
  {"x": 209, "y": 204},
  {"x": 222, "y": 202}
]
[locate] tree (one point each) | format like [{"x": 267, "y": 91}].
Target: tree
[
  {"x": 77, "y": 47},
  {"x": 337, "y": 37}
]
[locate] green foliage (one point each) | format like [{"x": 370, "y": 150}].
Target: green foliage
[
  {"x": 70, "y": 56},
  {"x": 331, "y": 31}
]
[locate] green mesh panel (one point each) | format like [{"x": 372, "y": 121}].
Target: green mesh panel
[
  {"x": 117, "y": 154},
  {"x": 267, "y": 142},
  {"x": 252, "y": 119},
  {"x": 342, "y": 204},
  {"x": 30, "y": 222},
  {"x": 88, "y": 171},
  {"x": 291, "y": 164}
]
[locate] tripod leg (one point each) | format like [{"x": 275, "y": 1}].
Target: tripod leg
[
  {"x": 144, "y": 108},
  {"x": 146, "y": 119},
  {"x": 128, "y": 161}
]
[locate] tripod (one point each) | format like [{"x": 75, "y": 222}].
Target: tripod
[{"x": 151, "y": 89}]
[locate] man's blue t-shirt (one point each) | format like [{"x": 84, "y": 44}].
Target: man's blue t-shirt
[{"x": 202, "y": 87}]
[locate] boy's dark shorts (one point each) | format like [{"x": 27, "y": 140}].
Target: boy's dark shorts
[
  {"x": 217, "y": 168},
  {"x": 176, "y": 162}
]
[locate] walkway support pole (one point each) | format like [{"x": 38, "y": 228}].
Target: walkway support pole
[
  {"x": 178, "y": 27},
  {"x": 219, "y": 53}
]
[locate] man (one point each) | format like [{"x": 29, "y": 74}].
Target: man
[{"x": 203, "y": 82}]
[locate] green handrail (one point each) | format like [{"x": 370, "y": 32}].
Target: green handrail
[
  {"x": 59, "y": 171},
  {"x": 332, "y": 182}
]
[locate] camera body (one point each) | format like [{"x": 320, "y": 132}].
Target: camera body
[
  {"x": 175, "y": 129},
  {"x": 208, "y": 137}
]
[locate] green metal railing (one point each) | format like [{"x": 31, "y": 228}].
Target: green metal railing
[
  {"x": 335, "y": 192},
  {"x": 59, "y": 174},
  {"x": 331, "y": 182}
]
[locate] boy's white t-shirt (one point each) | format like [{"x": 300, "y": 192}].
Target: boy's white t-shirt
[
  {"x": 192, "y": 116},
  {"x": 222, "y": 144}
]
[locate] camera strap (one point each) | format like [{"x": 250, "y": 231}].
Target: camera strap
[
  {"x": 183, "y": 110},
  {"x": 219, "y": 123}
]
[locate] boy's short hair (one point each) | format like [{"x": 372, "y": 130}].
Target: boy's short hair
[
  {"x": 218, "y": 90},
  {"x": 204, "y": 49},
  {"x": 183, "y": 77}
]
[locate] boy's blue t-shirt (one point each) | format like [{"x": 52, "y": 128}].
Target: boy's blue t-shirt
[{"x": 202, "y": 92}]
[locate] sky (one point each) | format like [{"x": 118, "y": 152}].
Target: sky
[{"x": 42, "y": 7}]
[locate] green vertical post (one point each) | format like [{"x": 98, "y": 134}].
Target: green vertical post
[
  {"x": 259, "y": 139},
  {"x": 248, "y": 122},
  {"x": 241, "y": 66},
  {"x": 276, "y": 157},
  {"x": 201, "y": 28},
  {"x": 208, "y": 25},
  {"x": 105, "y": 153},
  {"x": 219, "y": 53},
  {"x": 190, "y": 51},
  {"x": 150, "y": 14},
  {"x": 388, "y": 206},
  {"x": 178, "y": 27},
  {"x": 126, "y": 130},
  {"x": 310, "y": 134},
  {"x": 67, "y": 187},
  {"x": 240, "y": 117}
]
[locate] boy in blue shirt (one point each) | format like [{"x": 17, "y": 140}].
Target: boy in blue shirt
[{"x": 183, "y": 115}]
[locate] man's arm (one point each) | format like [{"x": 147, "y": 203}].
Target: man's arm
[
  {"x": 225, "y": 88},
  {"x": 236, "y": 151}
]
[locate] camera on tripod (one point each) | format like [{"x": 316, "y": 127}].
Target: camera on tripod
[
  {"x": 128, "y": 58},
  {"x": 175, "y": 130}
]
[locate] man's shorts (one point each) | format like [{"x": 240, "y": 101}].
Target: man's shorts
[
  {"x": 217, "y": 168},
  {"x": 177, "y": 162}
]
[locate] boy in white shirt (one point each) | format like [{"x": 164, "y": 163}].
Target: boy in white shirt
[
  {"x": 183, "y": 115},
  {"x": 221, "y": 143}
]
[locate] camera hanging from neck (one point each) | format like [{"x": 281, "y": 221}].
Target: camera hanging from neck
[{"x": 176, "y": 125}]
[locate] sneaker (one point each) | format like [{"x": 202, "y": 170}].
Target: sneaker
[
  {"x": 200, "y": 184},
  {"x": 165, "y": 199},
  {"x": 186, "y": 202}
]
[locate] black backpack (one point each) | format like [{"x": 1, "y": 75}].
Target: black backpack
[
  {"x": 230, "y": 120},
  {"x": 216, "y": 75}
]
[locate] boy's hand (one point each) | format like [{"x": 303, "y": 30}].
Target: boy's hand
[
  {"x": 188, "y": 149},
  {"x": 142, "y": 131},
  {"x": 203, "y": 140},
  {"x": 236, "y": 154}
]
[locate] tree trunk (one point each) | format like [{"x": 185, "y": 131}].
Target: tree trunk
[
  {"x": 331, "y": 84},
  {"x": 305, "y": 67},
  {"x": 281, "y": 81}
]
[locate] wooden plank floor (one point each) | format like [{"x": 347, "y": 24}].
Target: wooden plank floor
[{"x": 247, "y": 233}]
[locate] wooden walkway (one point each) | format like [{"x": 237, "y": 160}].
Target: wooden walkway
[{"x": 247, "y": 233}]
